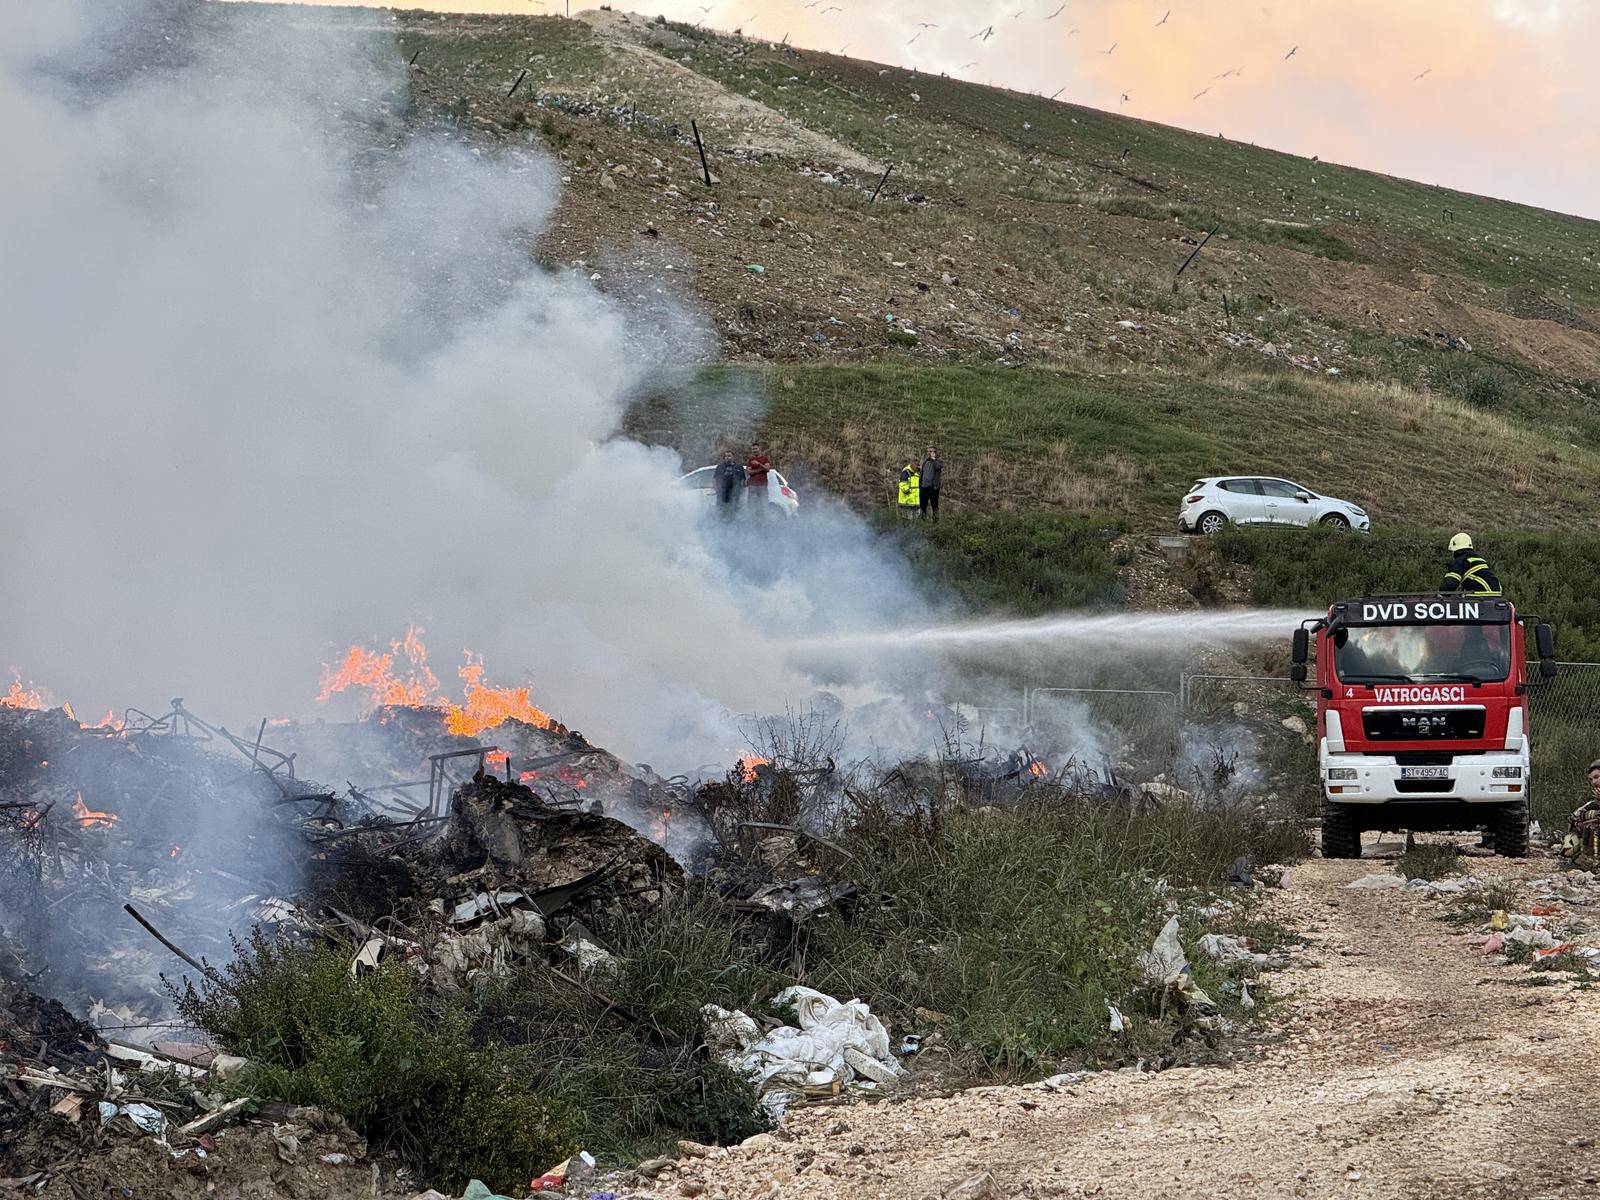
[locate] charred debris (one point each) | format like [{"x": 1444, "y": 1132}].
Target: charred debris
[{"x": 138, "y": 858}]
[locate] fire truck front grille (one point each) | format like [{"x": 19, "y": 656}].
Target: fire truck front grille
[{"x": 1422, "y": 724}]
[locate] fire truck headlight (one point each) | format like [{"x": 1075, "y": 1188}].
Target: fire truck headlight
[
  {"x": 1341, "y": 772},
  {"x": 1508, "y": 772}
]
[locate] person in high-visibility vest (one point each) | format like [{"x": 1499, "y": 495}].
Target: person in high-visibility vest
[
  {"x": 910, "y": 497},
  {"x": 1470, "y": 573}
]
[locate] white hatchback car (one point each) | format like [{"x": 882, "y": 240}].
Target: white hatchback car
[
  {"x": 1211, "y": 505},
  {"x": 779, "y": 493}
]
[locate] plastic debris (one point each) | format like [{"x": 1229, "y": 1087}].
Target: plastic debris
[
  {"x": 1539, "y": 939},
  {"x": 1246, "y": 1000},
  {"x": 1164, "y": 966},
  {"x": 755, "y": 268},
  {"x": 1374, "y": 883},
  {"x": 477, "y": 1189},
  {"x": 1119, "y": 1023},
  {"x": 1222, "y": 947},
  {"x": 1239, "y": 873},
  {"x": 569, "y": 1170},
  {"x": 836, "y": 1043}
]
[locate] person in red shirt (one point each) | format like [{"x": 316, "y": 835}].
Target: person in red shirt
[{"x": 756, "y": 468}]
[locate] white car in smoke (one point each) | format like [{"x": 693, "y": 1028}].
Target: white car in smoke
[
  {"x": 1211, "y": 505},
  {"x": 779, "y": 493}
]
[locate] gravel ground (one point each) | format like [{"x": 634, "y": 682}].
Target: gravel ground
[{"x": 1410, "y": 1066}]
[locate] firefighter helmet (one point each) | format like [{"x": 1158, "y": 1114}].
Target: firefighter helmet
[{"x": 1461, "y": 541}]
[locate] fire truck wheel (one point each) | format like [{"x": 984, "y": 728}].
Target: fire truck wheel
[
  {"x": 1341, "y": 832},
  {"x": 1510, "y": 828}
]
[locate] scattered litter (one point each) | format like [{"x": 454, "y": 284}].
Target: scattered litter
[
  {"x": 1165, "y": 967},
  {"x": 1524, "y": 935},
  {"x": 570, "y": 1170},
  {"x": 1375, "y": 882},
  {"x": 1223, "y": 947},
  {"x": 1119, "y": 1023},
  {"x": 755, "y": 268},
  {"x": 836, "y": 1043},
  {"x": 1239, "y": 873}
]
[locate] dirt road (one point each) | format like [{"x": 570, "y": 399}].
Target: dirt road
[{"x": 1410, "y": 1066}]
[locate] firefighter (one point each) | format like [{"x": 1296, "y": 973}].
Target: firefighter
[
  {"x": 910, "y": 496},
  {"x": 1470, "y": 573},
  {"x": 1583, "y": 836}
]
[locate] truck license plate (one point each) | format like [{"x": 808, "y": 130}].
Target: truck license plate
[{"x": 1424, "y": 772}]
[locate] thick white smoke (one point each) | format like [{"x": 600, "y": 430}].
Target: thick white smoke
[{"x": 282, "y": 375}]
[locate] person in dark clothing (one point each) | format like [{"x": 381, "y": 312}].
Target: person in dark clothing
[
  {"x": 932, "y": 476},
  {"x": 1470, "y": 573},
  {"x": 729, "y": 480}
]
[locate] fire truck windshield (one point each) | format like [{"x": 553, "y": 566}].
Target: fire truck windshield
[{"x": 1422, "y": 653}]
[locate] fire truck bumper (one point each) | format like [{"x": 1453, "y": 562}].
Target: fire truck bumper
[{"x": 1497, "y": 778}]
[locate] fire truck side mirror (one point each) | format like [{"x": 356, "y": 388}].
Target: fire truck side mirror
[
  {"x": 1544, "y": 637},
  {"x": 1300, "y": 650}
]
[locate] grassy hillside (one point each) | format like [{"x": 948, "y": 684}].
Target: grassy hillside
[{"x": 1011, "y": 294}]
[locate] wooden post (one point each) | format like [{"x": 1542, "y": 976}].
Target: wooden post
[
  {"x": 1196, "y": 250},
  {"x": 701, "y": 146},
  {"x": 414, "y": 57},
  {"x": 518, "y": 83},
  {"x": 881, "y": 182},
  {"x": 1225, "y": 311}
]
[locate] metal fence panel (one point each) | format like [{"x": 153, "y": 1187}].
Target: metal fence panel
[{"x": 1562, "y": 714}]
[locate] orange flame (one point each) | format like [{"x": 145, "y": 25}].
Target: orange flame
[
  {"x": 496, "y": 758},
  {"x": 19, "y": 697},
  {"x": 88, "y": 817},
  {"x": 484, "y": 706},
  {"x": 488, "y": 706},
  {"x": 1038, "y": 770},
  {"x": 747, "y": 764}
]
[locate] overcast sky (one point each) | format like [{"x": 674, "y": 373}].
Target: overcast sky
[{"x": 1508, "y": 102}]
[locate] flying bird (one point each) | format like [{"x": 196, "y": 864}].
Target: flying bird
[
  {"x": 829, "y": 9},
  {"x": 1200, "y": 93},
  {"x": 968, "y": 66},
  {"x": 1057, "y": 13},
  {"x": 916, "y": 35},
  {"x": 1070, "y": 32},
  {"x": 1429, "y": 71},
  {"x": 985, "y": 33},
  {"x": 1163, "y": 20},
  {"x": 1291, "y": 54},
  {"x": 1110, "y": 48},
  {"x": 1229, "y": 72},
  {"x": 1125, "y": 98},
  {"x": 927, "y": 24},
  {"x": 1058, "y": 91}
]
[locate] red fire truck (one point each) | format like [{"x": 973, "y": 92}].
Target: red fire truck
[{"x": 1422, "y": 717}]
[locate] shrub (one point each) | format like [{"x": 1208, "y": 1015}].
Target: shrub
[
  {"x": 1020, "y": 924},
  {"x": 401, "y": 1066}
]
